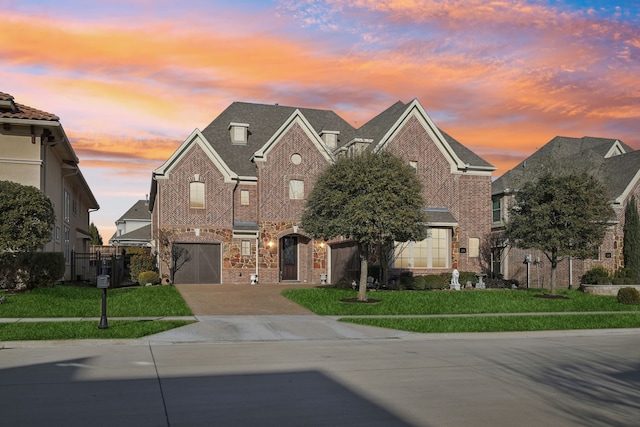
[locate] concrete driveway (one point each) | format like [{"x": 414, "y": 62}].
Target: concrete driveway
[{"x": 240, "y": 313}]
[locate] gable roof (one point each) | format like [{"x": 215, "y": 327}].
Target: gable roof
[
  {"x": 139, "y": 211},
  {"x": 263, "y": 120},
  {"x": 265, "y": 123},
  {"x": 382, "y": 127},
  {"x": 138, "y": 236},
  {"x": 613, "y": 161}
]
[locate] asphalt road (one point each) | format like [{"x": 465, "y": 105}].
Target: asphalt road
[{"x": 529, "y": 379}]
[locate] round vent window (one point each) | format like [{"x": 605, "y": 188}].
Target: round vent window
[{"x": 296, "y": 159}]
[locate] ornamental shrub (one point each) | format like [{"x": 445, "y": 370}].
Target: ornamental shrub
[
  {"x": 140, "y": 261},
  {"x": 45, "y": 268},
  {"x": 148, "y": 277},
  {"x": 629, "y": 296},
  {"x": 431, "y": 281},
  {"x": 596, "y": 276},
  {"x": 29, "y": 270}
]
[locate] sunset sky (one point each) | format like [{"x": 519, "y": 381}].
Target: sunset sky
[{"x": 130, "y": 80}]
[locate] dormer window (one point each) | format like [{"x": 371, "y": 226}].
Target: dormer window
[
  {"x": 239, "y": 132},
  {"x": 330, "y": 137}
]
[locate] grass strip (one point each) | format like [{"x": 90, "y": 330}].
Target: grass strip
[
  {"x": 328, "y": 301},
  {"x": 78, "y": 301},
  {"x": 118, "y": 329},
  {"x": 504, "y": 323}
]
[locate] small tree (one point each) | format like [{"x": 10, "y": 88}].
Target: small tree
[
  {"x": 561, "y": 214},
  {"x": 172, "y": 255},
  {"x": 631, "y": 240},
  {"x": 96, "y": 238},
  {"x": 26, "y": 218},
  {"x": 374, "y": 199}
]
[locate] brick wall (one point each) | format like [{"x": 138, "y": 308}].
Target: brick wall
[{"x": 467, "y": 197}]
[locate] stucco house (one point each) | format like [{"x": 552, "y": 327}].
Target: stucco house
[
  {"x": 35, "y": 150},
  {"x": 614, "y": 162},
  {"x": 133, "y": 228},
  {"x": 232, "y": 195}
]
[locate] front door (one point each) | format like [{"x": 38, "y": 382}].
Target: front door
[{"x": 289, "y": 258}]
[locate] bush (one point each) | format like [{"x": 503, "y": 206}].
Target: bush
[
  {"x": 45, "y": 268},
  {"x": 405, "y": 281},
  {"x": 140, "y": 262},
  {"x": 467, "y": 276},
  {"x": 627, "y": 273},
  {"x": 148, "y": 277},
  {"x": 500, "y": 283},
  {"x": 596, "y": 276},
  {"x": 30, "y": 270},
  {"x": 629, "y": 296},
  {"x": 431, "y": 281}
]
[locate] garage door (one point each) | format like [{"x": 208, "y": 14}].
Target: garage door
[
  {"x": 202, "y": 263},
  {"x": 345, "y": 262}
]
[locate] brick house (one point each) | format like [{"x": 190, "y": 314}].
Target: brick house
[
  {"x": 232, "y": 195},
  {"x": 35, "y": 151},
  {"x": 615, "y": 163}
]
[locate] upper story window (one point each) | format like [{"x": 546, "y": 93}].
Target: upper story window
[
  {"x": 239, "y": 132},
  {"x": 330, "y": 138},
  {"x": 414, "y": 165},
  {"x": 244, "y": 197},
  {"x": 196, "y": 195},
  {"x": 296, "y": 189},
  {"x": 496, "y": 206}
]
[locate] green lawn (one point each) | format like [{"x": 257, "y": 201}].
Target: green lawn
[
  {"x": 504, "y": 323},
  {"x": 328, "y": 301},
  {"x": 118, "y": 329},
  {"x": 74, "y": 301}
]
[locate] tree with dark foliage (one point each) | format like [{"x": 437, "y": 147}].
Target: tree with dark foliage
[
  {"x": 374, "y": 199},
  {"x": 562, "y": 213}
]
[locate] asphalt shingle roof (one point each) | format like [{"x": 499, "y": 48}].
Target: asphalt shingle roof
[
  {"x": 263, "y": 120},
  {"x": 616, "y": 172},
  {"x": 140, "y": 234},
  {"x": 140, "y": 210}
]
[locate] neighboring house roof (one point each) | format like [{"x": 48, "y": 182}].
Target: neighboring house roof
[
  {"x": 50, "y": 131},
  {"x": 12, "y": 110},
  {"x": 617, "y": 164},
  {"x": 137, "y": 236},
  {"x": 139, "y": 211}
]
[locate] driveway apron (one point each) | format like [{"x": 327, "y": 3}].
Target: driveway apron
[{"x": 241, "y": 299}]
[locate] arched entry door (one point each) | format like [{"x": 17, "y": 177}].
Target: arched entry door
[{"x": 289, "y": 258}]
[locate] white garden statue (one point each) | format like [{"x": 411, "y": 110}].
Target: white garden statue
[{"x": 455, "y": 275}]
